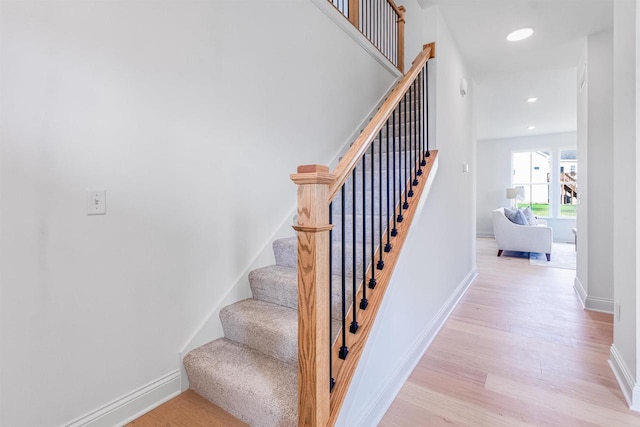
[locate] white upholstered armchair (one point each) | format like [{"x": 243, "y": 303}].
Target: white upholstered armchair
[{"x": 521, "y": 238}]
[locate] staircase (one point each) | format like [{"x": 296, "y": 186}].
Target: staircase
[{"x": 252, "y": 372}]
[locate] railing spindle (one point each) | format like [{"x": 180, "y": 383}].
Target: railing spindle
[
  {"x": 420, "y": 127},
  {"x": 372, "y": 281},
  {"x": 394, "y": 232},
  {"x": 405, "y": 147},
  {"x": 364, "y": 302},
  {"x": 344, "y": 350},
  {"x": 426, "y": 107},
  {"x": 416, "y": 162},
  {"x": 380, "y": 265},
  {"x": 353, "y": 328},
  {"x": 387, "y": 247},
  {"x": 400, "y": 151},
  {"x": 411, "y": 108}
]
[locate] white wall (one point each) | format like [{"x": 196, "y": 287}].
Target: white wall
[
  {"x": 625, "y": 187},
  {"x": 494, "y": 177},
  {"x": 438, "y": 260},
  {"x": 192, "y": 115},
  {"x": 581, "y": 282},
  {"x": 595, "y": 152}
]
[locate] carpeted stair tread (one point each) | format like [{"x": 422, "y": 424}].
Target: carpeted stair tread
[
  {"x": 269, "y": 328},
  {"x": 258, "y": 389},
  {"x": 286, "y": 254},
  {"x": 277, "y": 284}
]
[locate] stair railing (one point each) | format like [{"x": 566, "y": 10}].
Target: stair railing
[
  {"x": 352, "y": 224},
  {"x": 380, "y": 21}
]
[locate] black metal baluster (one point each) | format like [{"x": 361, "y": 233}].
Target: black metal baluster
[
  {"x": 406, "y": 161},
  {"x": 364, "y": 302},
  {"x": 387, "y": 247},
  {"x": 365, "y": 16},
  {"x": 386, "y": 33},
  {"x": 414, "y": 85},
  {"x": 421, "y": 126},
  {"x": 344, "y": 350},
  {"x": 410, "y": 93},
  {"x": 423, "y": 120},
  {"x": 426, "y": 107},
  {"x": 376, "y": 24},
  {"x": 372, "y": 281},
  {"x": 380, "y": 265},
  {"x": 395, "y": 40},
  {"x": 370, "y": 13},
  {"x": 394, "y": 232},
  {"x": 332, "y": 380},
  {"x": 400, "y": 205},
  {"x": 353, "y": 328}
]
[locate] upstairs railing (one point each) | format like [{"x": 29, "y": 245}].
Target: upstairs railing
[
  {"x": 380, "y": 21},
  {"x": 352, "y": 224}
]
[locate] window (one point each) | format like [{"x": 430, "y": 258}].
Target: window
[
  {"x": 568, "y": 183},
  {"x": 531, "y": 171},
  {"x": 548, "y": 180}
]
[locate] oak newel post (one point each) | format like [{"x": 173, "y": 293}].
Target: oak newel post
[
  {"x": 401, "y": 22},
  {"x": 313, "y": 294}
]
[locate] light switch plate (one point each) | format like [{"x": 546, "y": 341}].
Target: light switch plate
[{"x": 97, "y": 202}]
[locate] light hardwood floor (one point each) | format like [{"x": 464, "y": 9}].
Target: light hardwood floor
[
  {"x": 188, "y": 409},
  {"x": 517, "y": 350}
]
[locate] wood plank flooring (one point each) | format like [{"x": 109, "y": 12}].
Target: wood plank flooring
[
  {"x": 188, "y": 409},
  {"x": 518, "y": 350}
]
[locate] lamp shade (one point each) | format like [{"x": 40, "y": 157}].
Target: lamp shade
[{"x": 512, "y": 193}]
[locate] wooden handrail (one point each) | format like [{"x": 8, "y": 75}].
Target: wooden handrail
[
  {"x": 317, "y": 407},
  {"x": 394, "y": 7},
  {"x": 345, "y": 369},
  {"x": 387, "y": 40},
  {"x": 361, "y": 144}
]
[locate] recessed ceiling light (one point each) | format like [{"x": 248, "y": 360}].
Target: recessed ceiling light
[
  {"x": 520, "y": 34},
  {"x": 531, "y": 100},
  {"x": 531, "y": 128}
]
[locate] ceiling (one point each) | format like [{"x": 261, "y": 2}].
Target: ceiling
[{"x": 544, "y": 66}]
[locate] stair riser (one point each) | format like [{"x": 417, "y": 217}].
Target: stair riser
[
  {"x": 349, "y": 226},
  {"x": 286, "y": 292},
  {"x": 257, "y": 389},
  {"x": 276, "y": 337},
  {"x": 286, "y": 254}
]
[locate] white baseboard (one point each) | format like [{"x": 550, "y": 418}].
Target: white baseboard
[
  {"x": 485, "y": 234},
  {"x": 602, "y": 305},
  {"x": 630, "y": 389},
  {"x": 373, "y": 413},
  {"x": 580, "y": 292},
  {"x": 131, "y": 406}
]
